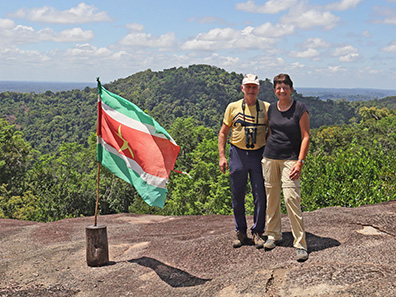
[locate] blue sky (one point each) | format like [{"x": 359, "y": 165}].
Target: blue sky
[{"x": 330, "y": 44}]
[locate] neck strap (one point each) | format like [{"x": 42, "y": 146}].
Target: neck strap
[{"x": 257, "y": 111}]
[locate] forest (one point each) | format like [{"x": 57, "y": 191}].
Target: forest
[{"x": 48, "y": 165}]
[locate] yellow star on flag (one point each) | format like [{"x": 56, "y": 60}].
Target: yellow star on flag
[{"x": 125, "y": 145}]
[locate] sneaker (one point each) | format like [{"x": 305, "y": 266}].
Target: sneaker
[
  {"x": 271, "y": 243},
  {"x": 241, "y": 239},
  {"x": 302, "y": 255},
  {"x": 258, "y": 240}
]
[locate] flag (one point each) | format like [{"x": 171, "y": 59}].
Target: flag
[{"x": 133, "y": 146}]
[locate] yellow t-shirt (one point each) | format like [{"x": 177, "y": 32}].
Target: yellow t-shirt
[{"x": 235, "y": 118}]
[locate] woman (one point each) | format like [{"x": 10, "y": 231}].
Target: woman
[{"x": 283, "y": 159}]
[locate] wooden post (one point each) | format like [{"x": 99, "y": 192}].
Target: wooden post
[{"x": 97, "y": 245}]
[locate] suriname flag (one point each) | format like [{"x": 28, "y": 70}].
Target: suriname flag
[{"x": 133, "y": 146}]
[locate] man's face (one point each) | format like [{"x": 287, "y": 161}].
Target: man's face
[{"x": 251, "y": 91}]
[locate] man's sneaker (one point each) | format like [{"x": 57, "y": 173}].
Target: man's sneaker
[
  {"x": 271, "y": 243},
  {"x": 302, "y": 255},
  {"x": 258, "y": 240},
  {"x": 241, "y": 239}
]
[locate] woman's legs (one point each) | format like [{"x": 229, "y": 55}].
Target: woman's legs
[{"x": 292, "y": 195}]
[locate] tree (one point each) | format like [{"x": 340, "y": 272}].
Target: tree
[{"x": 16, "y": 156}]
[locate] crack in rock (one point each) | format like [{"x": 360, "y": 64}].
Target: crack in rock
[{"x": 372, "y": 230}]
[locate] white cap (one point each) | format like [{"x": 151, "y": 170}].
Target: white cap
[{"x": 251, "y": 79}]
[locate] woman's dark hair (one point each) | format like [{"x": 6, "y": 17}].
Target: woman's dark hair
[{"x": 283, "y": 78}]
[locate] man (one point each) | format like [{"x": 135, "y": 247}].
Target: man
[{"x": 247, "y": 119}]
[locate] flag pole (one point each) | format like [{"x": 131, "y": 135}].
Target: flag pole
[
  {"x": 97, "y": 194},
  {"x": 97, "y": 247},
  {"x": 98, "y": 172}
]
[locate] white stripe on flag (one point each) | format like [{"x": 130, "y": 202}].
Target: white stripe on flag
[
  {"x": 134, "y": 124},
  {"x": 152, "y": 180}
]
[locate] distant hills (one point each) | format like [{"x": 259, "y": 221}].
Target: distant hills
[
  {"x": 358, "y": 94},
  {"x": 42, "y": 87}
]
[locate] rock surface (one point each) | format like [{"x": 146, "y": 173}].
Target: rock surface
[{"x": 352, "y": 253}]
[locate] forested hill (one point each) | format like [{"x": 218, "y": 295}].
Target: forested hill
[
  {"x": 199, "y": 91},
  {"x": 203, "y": 92}
]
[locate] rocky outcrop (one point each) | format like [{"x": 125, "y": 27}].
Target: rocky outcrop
[{"x": 352, "y": 253}]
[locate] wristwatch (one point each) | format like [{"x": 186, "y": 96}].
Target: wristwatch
[{"x": 301, "y": 160}]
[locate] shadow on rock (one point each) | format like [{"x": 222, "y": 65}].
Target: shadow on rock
[
  {"x": 315, "y": 243},
  {"x": 171, "y": 275}
]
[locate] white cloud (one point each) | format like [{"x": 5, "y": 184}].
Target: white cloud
[
  {"x": 387, "y": 16},
  {"x": 309, "y": 53},
  {"x": 269, "y": 30},
  {"x": 336, "y": 69},
  {"x": 270, "y": 7},
  {"x": 199, "y": 44},
  {"x": 228, "y": 38},
  {"x": 135, "y": 39},
  {"x": 208, "y": 20},
  {"x": 349, "y": 57},
  {"x": 297, "y": 65},
  {"x": 86, "y": 50},
  {"x": 22, "y": 57},
  {"x": 247, "y": 40},
  {"x": 391, "y": 48},
  {"x": 216, "y": 59},
  {"x": 369, "y": 70},
  {"x": 305, "y": 17},
  {"x": 6, "y": 24},
  {"x": 347, "y": 53},
  {"x": 218, "y": 34},
  {"x": 135, "y": 27},
  {"x": 315, "y": 43},
  {"x": 83, "y": 13},
  {"x": 73, "y": 35},
  {"x": 343, "y": 5},
  {"x": 366, "y": 33},
  {"x": 12, "y": 34},
  {"x": 390, "y": 20}
]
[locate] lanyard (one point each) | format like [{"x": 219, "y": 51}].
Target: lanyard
[{"x": 257, "y": 112}]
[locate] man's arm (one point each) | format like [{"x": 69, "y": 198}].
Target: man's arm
[{"x": 223, "y": 135}]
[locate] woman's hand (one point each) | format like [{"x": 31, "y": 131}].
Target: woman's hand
[{"x": 296, "y": 170}]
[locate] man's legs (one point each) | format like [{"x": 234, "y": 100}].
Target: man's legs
[
  {"x": 258, "y": 190},
  {"x": 238, "y": 189},
  {"x": 238, "y": 180}
]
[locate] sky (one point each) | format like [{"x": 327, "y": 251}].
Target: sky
[{"x": 323, "y": 44}]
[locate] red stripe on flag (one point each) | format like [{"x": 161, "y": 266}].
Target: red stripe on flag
[
  {"x": 99, "y": 124},
  {"x": 155, "y": 155}
]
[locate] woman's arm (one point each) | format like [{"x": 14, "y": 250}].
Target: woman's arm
[{"x": 304, "y": 128}]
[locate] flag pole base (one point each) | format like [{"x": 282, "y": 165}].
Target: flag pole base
[{"x": 97, "y": 245}]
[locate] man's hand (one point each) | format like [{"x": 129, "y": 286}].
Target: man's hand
[
  {"x": 222, "y": 142},
  {"x": 223, "y": 164}
]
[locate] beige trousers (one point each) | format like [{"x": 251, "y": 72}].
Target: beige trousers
[{"x": 276, "y": 175}]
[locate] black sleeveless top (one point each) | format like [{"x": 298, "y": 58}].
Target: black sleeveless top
[{"x": 284, "y": 142}]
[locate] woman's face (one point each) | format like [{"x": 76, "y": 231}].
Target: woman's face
[{"x": 283, "y": 91}]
